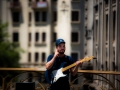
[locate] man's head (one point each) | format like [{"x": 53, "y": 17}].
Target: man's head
[{"x": 60, "y": 46}]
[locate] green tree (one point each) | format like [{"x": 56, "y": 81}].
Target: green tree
[{"x": 9, "y": 52}]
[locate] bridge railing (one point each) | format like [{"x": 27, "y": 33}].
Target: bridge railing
[{"x": 98, "y": 80}]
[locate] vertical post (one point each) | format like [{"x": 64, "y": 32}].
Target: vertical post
[
  {"x": 3, "y": 83},
  {"x": 117, "y": 34}
]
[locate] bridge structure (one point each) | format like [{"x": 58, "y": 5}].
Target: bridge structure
[{"x": 99, "y": 81}]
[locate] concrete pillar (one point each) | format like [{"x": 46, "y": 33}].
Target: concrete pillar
[
  {"x": 64, "y": 23},
  {"x": 110, "y": 39},
  {"x": 98, "y": 45},
  {"x": 103, "y": 36},
  {"x": 23, "y": 30}
]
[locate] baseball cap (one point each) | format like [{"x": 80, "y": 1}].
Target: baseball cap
[{"x": 58, "y": 41}]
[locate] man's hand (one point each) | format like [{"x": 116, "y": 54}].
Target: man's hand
[
  {"x": 56, "y": 54},
  {"x": 78, "y": 63},
  {"x": 75, "y": 69},
  {"x": 51, "y": 62}
]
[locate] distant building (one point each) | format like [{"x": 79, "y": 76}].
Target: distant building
[{"x": 36, "y": 24}]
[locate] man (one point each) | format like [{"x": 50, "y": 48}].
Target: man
[{"x": 59, "y": 60}]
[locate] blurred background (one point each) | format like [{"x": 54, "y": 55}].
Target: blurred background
[{"x": 29, "y": 29}]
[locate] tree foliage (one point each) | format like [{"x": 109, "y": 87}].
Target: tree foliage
[
  {"x": 9, "y": 51},
  {"x": 9, "y": 54}
]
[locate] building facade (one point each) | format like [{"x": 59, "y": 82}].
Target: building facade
[
  {"x": 36, "y": 24},
  {"x": 106, "y": 36}
]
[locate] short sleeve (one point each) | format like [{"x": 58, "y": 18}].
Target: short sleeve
[{"x": 49, "y": 58}]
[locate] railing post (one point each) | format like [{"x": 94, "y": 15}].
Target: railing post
[{"x": 3, "y": 82}]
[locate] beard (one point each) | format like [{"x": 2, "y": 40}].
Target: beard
[{"x": 61, "y": 52}]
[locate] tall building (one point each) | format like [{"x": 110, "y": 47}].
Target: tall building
[
  {"x": 106, "y": 36},
  {"x": 36, "y": 24}
]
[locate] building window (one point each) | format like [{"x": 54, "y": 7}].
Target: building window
[
  {"x": 107, "y": 27},
  {"x": 96, "y": 9},
  {"x": 114, "y": 23},
  {"x": 37, "y": 16},
  {"x": 36, "y": 56},
  {"x": 29, "y": 37},
  {"x": 75, "y": 16},
  {"x": 43, "y": 57},
  {"x": 43, "y": 37},
  {"x": 44, "y": 16},
  {"x": 74, "y": 55},
  {"x": 96, "y": 31},
  {"x": 40, "y": 16},
  {"x": 29, "y": 57},
  {"x": 75, "y": 37},
  {"x": 54, "y": 16},
  {"x": 29, "y": 22},
  {"x": 29, "y": 16},
  {"x": 36, "y": 36},
  {"x": 106, "y": 3},
  {"x": 15, "y": 37},
  {"x": 16, "y": 17},
  {"x": 54, "y": 37}
]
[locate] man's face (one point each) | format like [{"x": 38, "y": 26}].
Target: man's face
[{"x": 61, "y": 48}]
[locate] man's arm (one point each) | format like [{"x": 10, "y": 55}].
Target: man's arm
[
  {"x": 50, "y": 63},
  {"x": 74, "y": 70}
]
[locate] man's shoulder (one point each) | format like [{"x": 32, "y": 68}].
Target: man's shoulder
[
  {"x": 69, "y": 57},
  {"x": 51, "y": 55}
]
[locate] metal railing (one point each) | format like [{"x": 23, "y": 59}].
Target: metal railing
[{"x": 100, "y": 82}]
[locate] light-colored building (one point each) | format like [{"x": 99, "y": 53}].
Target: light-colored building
[{"x": 36, "y": 24}]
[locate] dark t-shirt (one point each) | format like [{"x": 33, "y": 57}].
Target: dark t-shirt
[{"x": 62, "y": 83}]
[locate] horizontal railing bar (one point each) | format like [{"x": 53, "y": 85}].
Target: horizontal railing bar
[
  {"x": 99, "y": 72},
  {"x": 21, "y": 69},
  {"x": 80, "y": 71}
]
